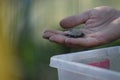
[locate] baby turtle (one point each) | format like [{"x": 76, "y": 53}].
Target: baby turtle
[{"x": 75, "y": 33}]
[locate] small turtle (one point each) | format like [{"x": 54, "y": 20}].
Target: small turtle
[{"x": 75, "y": 33}]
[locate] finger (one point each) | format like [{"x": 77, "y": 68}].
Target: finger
[
  {"x": 92, "y": 23},
  {"x": 49, "y": 33},
  {"x": 54, "y": 31},
  {"x": 46, "y": 35},
  {"x": 60, "y": 39},
  {"x": 82, "y": 42},
  {"x": 73, "y": 21}
]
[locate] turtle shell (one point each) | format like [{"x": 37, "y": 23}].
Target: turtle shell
[{"x": 75, "y": 33}]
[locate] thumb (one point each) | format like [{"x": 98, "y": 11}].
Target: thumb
[{"x": 75, "y": 20}]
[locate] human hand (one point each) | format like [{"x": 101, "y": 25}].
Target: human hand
[{"x": 101, "y": 26}]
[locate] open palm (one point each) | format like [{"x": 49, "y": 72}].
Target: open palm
[{"x": 101, "y": 26}]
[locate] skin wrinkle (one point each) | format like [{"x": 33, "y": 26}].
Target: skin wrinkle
[
  {"x": 113, "y": 33},
  {"x": 100, "y": 38},
  {"x": 103, "y": 22},
  {"x": 77, "y": 44},
  {"x": 106, "y": 38},
  {"x": 107, "y": 21}
]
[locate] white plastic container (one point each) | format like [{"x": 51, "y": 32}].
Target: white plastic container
[{"x": 74, "y": 66}]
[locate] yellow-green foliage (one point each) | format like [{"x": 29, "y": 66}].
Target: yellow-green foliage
[{"x": 9, "y": 69}]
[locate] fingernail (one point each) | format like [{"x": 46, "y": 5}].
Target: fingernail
[{"x": 51, "y": 39}]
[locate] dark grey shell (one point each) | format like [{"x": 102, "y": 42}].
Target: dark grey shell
[{"x": 75, "y": 33}]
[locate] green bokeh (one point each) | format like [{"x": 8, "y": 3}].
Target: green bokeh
[{"x": 35, "y": 52}]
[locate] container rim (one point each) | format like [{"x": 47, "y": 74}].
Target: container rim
[{"x": 84, "y": 69}]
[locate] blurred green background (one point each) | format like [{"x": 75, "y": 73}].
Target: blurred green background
[{"x": 32, "y": 18}]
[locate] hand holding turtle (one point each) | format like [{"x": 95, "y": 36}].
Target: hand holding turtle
[{"x": 101, "y": 26}]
